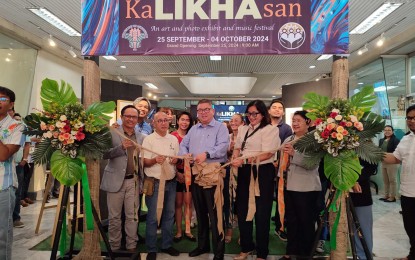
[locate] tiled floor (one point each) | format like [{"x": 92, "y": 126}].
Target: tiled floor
[{"x": 390, "y": 239}]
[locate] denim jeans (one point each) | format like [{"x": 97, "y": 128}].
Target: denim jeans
[
  {"x": 20, "y": 180},
  {"x": 167, "y": 217},
  {"x": 7, "y": 200}
]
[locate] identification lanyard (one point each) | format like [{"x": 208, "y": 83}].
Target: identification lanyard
[{"x": 247, "y": 136}]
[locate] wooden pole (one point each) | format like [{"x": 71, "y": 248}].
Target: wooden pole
[
  {"x": 91, "y": 249},
  {"x": 340, "y": 81}
]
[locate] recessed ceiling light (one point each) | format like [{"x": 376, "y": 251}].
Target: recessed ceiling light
[
  {"x": 109, "y": 57},
  {"x": 317, "y": 79},
  {"x": 381, "y": 40},
  {"x": 119, "y": 78},
  {"x": 166, "y": 95},
  {"x": 9, "y": 54},
  {"x": 154, "y": 97},
  {"x": 49, "y": 17},
  {"x": 325, "y": 57},
  {"x": 7, "y": 59},
  {"x": 149, "y": 94},
  {"x": 312, "y": 67},
  {"x": 274, "y": 96},
  {"x": 123, "y": 67},
  {"x": 375, "y": 18},
  {"x": 360, "y": 83},
  {"x": 215, "y": 58},
  {"x": 151, "y": 85}
]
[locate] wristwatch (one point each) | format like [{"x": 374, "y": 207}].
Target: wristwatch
[{"x": 207, "y": 155}]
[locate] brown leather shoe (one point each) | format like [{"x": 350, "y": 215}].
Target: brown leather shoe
[
  {"x": 28, "y": 200},
  {"x": 23, "y": 203}
]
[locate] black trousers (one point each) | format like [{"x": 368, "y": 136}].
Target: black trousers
[
  {"x": 301, "y": 215},
  {"x": 204, "y": 203},
  {"x": 263, "y": 208},
  {"x": 408, "y": 215}
]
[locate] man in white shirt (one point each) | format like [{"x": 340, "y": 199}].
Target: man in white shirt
[
  {"x": 162, "y": 170},
  {"x": 405, "y": 153}
]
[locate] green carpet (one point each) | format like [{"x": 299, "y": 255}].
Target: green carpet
[{"x": 276, "y": 246}]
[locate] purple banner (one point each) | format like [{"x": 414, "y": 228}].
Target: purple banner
[{"x": 214, "y": 27}]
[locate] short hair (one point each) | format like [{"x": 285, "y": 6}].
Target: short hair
[
  {"x": 262, "y": 109},
  {"x": 409, "y": 109},
  {"x": 137, "y": 100},
  {"x": 127, "y": 107},
  {"x": 276, "y": 101},
  {"x": 205, "y": 101},
  {"x": 184, "y": 113},
  {"x": 8, "y": 92},
  {"x": 391, "y": 127},
  {"x": 17, "y": 114},
  {"x": 303, "y": 114},
  {"x": 165, "y": 109}
]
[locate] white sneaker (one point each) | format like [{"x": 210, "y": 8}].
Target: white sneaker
[{"x": 320, "y": 246}]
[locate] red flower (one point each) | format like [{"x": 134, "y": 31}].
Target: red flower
[
  {"x": 66, "y": 128},
  {"x": 342, "y": 123},
  {"x": 79, "y": 136},
  {"x": 333, "y": 114},
  {"x": 318, "y": 121},
  {"x": 325, "y": 134}
]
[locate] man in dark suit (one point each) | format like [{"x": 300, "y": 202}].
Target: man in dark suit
[{"x": 121, "y": 180}]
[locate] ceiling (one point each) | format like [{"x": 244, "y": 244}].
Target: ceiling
[{"x": 271, "y": 71}]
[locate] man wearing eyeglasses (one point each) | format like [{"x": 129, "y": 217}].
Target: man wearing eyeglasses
[
  {"x": 162, "y": 171},
  {"x": 121, "y": 180},
  {"x": 207, "y": 141},
  {"x": 405, "y": 153},
  {"x": 10, "y": 141}
]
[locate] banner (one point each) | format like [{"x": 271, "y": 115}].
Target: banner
[
  {"x": 214, "y": 27},
  {"x": 225, "y": 112}
]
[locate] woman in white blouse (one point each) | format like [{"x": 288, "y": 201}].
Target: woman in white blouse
[{"x": 257, "y": 137}]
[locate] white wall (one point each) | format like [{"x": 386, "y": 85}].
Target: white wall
[{"x": 50, "y": 66}]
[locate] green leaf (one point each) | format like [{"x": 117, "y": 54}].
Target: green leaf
[
  {"x": 101, "y": 111},
  {"x": 311, "y": 160},
  {"x": 96, "y": 144},
  {"x": 43, "y": 152},
  {"x": 65, "y": 169},
  {"x": 372, "y": 125},
  {"x": 343, "y": 170},
  {"x": 369, "y": 152},
  {"x": 315, "y": 101},
  {"x": 51, "y": 92},
  {"x": 307, "y": 143},
  {"x": 364, "y": 99}
]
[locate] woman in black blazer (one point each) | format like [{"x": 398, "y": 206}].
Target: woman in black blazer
[{"x": 389, "y": 144}]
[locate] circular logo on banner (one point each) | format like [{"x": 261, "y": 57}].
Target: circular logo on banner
[
  {"x": 231, "y": 108},
  {"x": 291, "y": 36},
  {"x": 134, "y": 34}
]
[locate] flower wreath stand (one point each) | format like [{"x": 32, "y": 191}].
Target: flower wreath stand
[
  {"x": 344, "y": 128},
  {"x": 70, "y": 136}
]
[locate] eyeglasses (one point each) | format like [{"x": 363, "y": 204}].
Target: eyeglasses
[
  {"x": 203, "y": 110},
  {"x": 253, "y": 114},
  {"x": 163, "y": 121},
  {"x": 130, "y": 117},
  {"x": 4, "y": 99},
  {"x": 410, "y": 118}
]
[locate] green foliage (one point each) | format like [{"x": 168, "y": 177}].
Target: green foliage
[
  {"x": 311, "y": 160},
  {"x": 66, "y": 170},
  {"x": 95, "y": 144},
  {"x": 314, "y": 102},
  {"x": 307, "y": 144},
  {"x": 372, "y": 125},
  {"x": 343, "y": 170},
  {"x": 369, "y": 152},
  {"x": 52, "y": 94},
  {"x": 32, "y": 121},
  {"x": 100, "y": 111},
  {"x": 43, "y": 151},
  {"x": 364, "y": 99}
]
